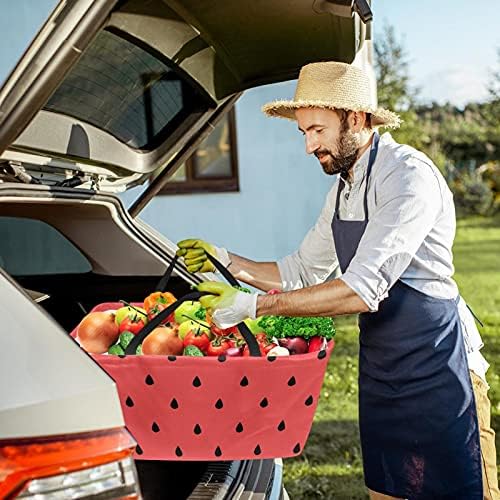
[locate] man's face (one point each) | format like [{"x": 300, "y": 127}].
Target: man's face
[{"x": 329, "y": 138}]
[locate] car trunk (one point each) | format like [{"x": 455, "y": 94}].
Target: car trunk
[{"x": 125, "y": 268}]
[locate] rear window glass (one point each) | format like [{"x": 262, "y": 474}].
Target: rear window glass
[
  {"x": 127, "y": 91},
  {"x": 31, "y": 247}
]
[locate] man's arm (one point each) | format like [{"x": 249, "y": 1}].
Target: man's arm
[
  {"x": 261, "y": 275},
  {"x": 311, "y": 264},
  {"x": 333, "y": 298}
]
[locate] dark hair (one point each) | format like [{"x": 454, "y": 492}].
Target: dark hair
[{"x": 344, "y": 113}]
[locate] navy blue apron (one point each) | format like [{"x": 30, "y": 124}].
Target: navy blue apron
[{"x": 417, "y": 415}]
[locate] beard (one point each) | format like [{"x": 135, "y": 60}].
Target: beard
[{"x": 347, "y": 152}]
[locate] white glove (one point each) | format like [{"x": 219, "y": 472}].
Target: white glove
[{"x": 227, "y": 305}]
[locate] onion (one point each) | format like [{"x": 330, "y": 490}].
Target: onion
[
  {"x": 279, "y": 351},
  {"x": 296, "y": 345},
  {"x": 233, "y": 352},
  {"x": 97, "y": 331}
]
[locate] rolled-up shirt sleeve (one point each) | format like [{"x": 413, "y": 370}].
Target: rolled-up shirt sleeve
[
  {"x": 315, "y": 260},
  {"x": 409, "y": 201}
]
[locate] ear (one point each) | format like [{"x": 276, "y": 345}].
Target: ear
[{"x": 357, "y": 120}]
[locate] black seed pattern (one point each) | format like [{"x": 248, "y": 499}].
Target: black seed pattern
[
  {"x": 129, "y": 402},
  {"x": 239, "y": 427},
  {"x": 264, "y": 403},
  {"x": 292, "y": 381},
  {"x": 244, "y": 382},
  {"x": 321, "y": 354},
  {"x": 309, "y": 401},
  {"x": 138, "y": 450},
  {"x": 149, "y": 380},
  {"x": 297, "y": 448},
  {"x": 281, "y": 426},
  {"x": 172, "y": 358},
  {"x": 196, "y": 382},
  {"x": 271, "y": 358},
  {"x": 222, "y": 358},
  {"x": 257, "y": 450},
  {"x": 218, "y": 452},
  {"x": 155, "y": 427},
  {"x": 219, "y": 404},
  {"x": 174, "y": 404},
  {"x": 178, "y": 451},
  {"x": 121, "y": 355},
  {"x": 197, "y": 429}
]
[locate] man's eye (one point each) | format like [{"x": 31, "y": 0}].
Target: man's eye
[{"x": 319, "y": 130}]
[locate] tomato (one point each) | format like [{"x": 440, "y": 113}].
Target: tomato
[
  {"x": 223, "y": 332},
  {"x": 199, "y": 339},
  {"x": 264, "y": 343},
  {"x": 246, "y": 350},
  {"x": 219, "y": 346},
  {"x": 131, "y": 325},
  {"x": 261, "y": 338},
  {"x": 315, "y": 343}
]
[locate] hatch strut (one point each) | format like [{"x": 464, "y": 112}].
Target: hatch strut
[
  {"x": 363, "y": 10},
  {"x": 345, "y": 8}
]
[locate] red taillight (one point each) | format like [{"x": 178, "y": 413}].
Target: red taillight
[{"x": 24, "y": 459}]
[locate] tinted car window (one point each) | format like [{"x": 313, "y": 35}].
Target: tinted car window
[
  {"x": 32, "y": 247},
  {"x": 127, "y": 91}
]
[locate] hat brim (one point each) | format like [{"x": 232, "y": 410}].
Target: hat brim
[{"x": 381, "y": 117}]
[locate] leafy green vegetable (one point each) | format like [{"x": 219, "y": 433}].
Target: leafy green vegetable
[
  {"x": 116, "y": 349},
  {"x": 286, "y": 326},
  {"x": 201, "y": 314},
  {"x": 125, "y": 339},
  {"x": 192, "y": 350}
]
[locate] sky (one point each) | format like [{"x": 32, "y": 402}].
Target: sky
[{"x": 451, "y": 44}]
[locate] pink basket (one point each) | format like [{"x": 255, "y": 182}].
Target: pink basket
[{"x": 234, "y": 408}]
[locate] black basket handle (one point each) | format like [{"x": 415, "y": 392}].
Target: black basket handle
[
  {"x": 249, "y": 337},
  {"x": 223, "y": 270},
  {"x": 162, "y": 284}
]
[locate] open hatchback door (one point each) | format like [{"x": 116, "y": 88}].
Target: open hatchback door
[{"x": 111, "y": 93}]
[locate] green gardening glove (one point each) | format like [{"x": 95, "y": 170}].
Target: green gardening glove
[
  {"x": 194, "y": 252},
  {"x": 227, "y": 305}
]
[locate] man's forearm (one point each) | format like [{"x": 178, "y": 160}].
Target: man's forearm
[
  {"x": 333, "y": 298},
  {"x": 261, "y": 275}
]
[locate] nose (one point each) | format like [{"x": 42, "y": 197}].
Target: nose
[{"x": 311, "y": 144}]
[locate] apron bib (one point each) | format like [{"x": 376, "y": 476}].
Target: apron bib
[{"x": 417, "y": 415}]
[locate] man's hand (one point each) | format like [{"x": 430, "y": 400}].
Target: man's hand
[
  {"x": 227, "y": 305},
  {"x": 194, "y": 251}
]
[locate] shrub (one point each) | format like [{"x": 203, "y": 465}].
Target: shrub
[
  {"x": 472, "y": 195},
  {"x": 490, "y": 173}
]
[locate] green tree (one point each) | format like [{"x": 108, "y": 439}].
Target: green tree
[{"x": 396, "y": 93}]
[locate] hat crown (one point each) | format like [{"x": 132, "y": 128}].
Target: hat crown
[
  {"x": 333, "y": 85},
  {"x": 343, "y": 85}
]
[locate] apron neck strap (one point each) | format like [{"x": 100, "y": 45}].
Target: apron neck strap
[{"x": 371, "y": 161}]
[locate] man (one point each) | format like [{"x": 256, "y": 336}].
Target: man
[{"x": 388, "y": 225}]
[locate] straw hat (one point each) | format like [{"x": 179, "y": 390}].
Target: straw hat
[{"x": 333, "y": 85}]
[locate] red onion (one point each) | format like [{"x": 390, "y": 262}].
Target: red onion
[{"x": 296, "y": 345}]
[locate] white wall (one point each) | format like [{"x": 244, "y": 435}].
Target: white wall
[{"x": 281, "y": 192}]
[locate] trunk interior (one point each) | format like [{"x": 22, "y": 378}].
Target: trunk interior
[{"x": 118, "y": 263}]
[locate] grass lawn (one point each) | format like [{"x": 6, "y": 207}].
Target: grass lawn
[{"x": 330, "y": 466}]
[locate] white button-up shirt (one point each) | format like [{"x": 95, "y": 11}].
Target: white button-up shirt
[{"x": 409, "y": 235}]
